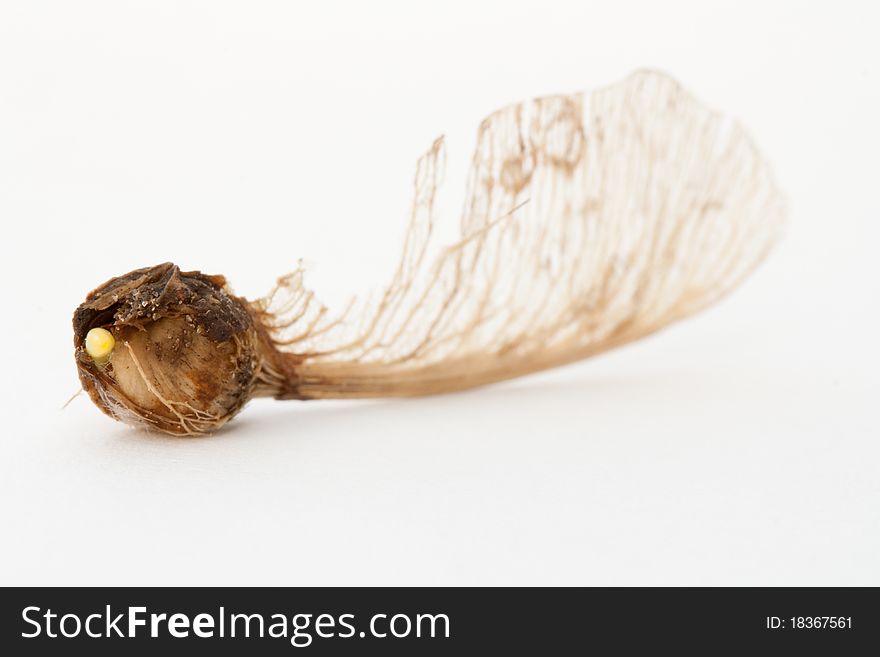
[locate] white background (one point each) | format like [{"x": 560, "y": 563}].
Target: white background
[{"x": 739, "y": 447}]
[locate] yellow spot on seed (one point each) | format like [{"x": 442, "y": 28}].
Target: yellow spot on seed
[{"x": 99, "y": 344}]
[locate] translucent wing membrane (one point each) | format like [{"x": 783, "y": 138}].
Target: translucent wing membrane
[{"x": 591, "y": 220}]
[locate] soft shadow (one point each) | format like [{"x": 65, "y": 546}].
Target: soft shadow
[
  {"x": 575, "y": 397},
  {"x": 270, "y": 423}
]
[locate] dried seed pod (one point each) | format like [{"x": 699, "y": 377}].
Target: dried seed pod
[
  {"x": 184, "y": 356},
  {"x": 591, "y": 220}
]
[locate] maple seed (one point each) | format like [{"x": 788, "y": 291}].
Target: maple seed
[{"x": 591, "y": 220}]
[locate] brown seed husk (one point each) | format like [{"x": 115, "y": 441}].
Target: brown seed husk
[{"x": 186, "y": 357}]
